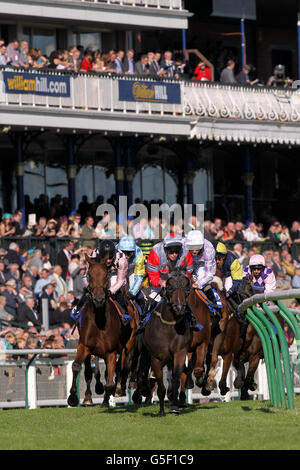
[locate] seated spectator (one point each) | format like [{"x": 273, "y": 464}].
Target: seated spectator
[
  {"x": 239, "y": 231},
  {"x": 227, "y": 74},
  {"x": 44, "y": 280},
  {"x": 13, "y": 272},
  {"x": 27, "y": 315},
  {"x": 229, "y": 232},
  {"x": 251, "y": 234},
  {"x": 216, "y": 229},
  {"x": 6, "y": 227},
  {"x": 276, "y": 266},
  {"x": 202, "y": 72},
  {"x": 295, "y": 232},
  {"x": 274, "y": 232},
  {"x": 10, "y": 292},
  {"x": 207, "y": 233},
  {"x": 285, "y": 235},
  {"x": 289, "y": 264},
  {"x": 296, "y": 279},
  {"x": 4, "y": 315}
]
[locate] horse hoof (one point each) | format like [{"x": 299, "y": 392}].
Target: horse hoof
[
  {"x": 224, "y": 390},
  {"x": 199, "y": 381},
  {"x": 189, "y": 383},
  {"x": 148, "y": 401},
  {"x": 252, "y": 387},
  {"x": 238, "y": 383},
  {"x": 174, "y": 410},
  {"x": 99, "y": 389},
  {"x": 87, "y": 402},
  {"x": 73, "y": 400},
  {"x": 105, "y": 404},
  {"x": 137, "y": 398},
  {"x": 211, "y": 385},
  {"x": 183, "y": 404},
  {"x": 205, "y": 392}
]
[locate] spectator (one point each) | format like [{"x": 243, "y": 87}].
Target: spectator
[
  {"x": 88, "y": 232},
  {"x": 10, "y": 292},
  {"x": 76, "y": 270},
  {"x": 243, "y": 77},
  {"x": 13, "y": 255},
  {"x": 4, "y": 315},
  {"x": 296, "y": 279},
  {"x": 16, "y": 222},
  {"x": 295, "y": 232},
  {"x": 61, "y": 286},
  {"x": 227, "y": 74},
  {"x": 169, "y": 66},
  {"x": 251, "y": 234},
  {"x": 61, "y": 314},
  {"x": 13, "y": 53},
  {"x": 229, "y": 232},
  {"x": 27, "y": 315},
  {"x": 129, "y": 63},
  {"x": 276, "y": 266},
  {"x": 289, "y": 265},
  {"x": 6, "y": 227},
  {"x": 76, "y": 226},
  {"x": 142, "y": 68},
  {"x": 64, "y": 257},
  {"x": 202, "y": 72},
  {"x": 119, "y": 61},
  {"x": 216, "y": 229},
  {"x": 142, "y": 230},
  {"x": 24, "y": 50},
  {"x": 86, "y": 63},
  {"x": 44, "y": 280},
  {"x": 3, "y": 55},
  {"x": 48, "y": 294},
  {"x": 112, "y": 61},
  {"x": 14, "y": 273},
  {"x": 239, "y": 231},
  {"x": 3, "y": 274}
]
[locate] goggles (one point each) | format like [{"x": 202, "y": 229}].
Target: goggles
[{"x": 258, "y": 267}]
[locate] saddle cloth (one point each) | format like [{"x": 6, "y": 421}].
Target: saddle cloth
[{"x": 209, "y": 304}]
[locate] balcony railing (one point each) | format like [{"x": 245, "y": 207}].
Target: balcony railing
[
  {"x": 100, "y": 92},
  {"x": 166, "y": 4}
]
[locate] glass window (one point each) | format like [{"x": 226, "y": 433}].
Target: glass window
[
  {"x": 93, "y": 182},
  {"x": 34, "y": 179},
  {"x": 201, "y": 187},
  {"x": 90, "y": 40},
  {"x": 153, "y": 183},
  {"x": 43, "y": 39}
]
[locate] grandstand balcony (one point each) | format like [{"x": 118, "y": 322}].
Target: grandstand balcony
[
  {"x": 184, "y": 109},
  {"x": 119, "y": 13}
]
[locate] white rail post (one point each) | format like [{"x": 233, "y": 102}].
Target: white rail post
[{"x": 32, "y": 393}]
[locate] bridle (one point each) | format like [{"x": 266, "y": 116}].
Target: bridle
[
  {"x": 90, "y": 291},
  {"x": 177, "y": 284}
]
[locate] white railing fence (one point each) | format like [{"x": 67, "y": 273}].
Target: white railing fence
[
  {"x": 100, "y": 93},
  {"x": 166, "y": 4},
  {"x": 47, "y": 382}
]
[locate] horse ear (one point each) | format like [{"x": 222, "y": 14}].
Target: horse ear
[{"x": 89, "y": 260}]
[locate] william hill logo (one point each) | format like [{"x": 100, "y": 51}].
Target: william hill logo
[{"x": 149, "y": 92}]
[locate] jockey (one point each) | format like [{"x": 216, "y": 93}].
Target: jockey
[
  {"x": 117, "y": 267},
  {"x": 230, "y": 268},
  {"x": 263, "y": 278},
  {"x": 136, "y": 264},
  {"x": 204, "y": 262},
  {"x": 171, "y": 250}
]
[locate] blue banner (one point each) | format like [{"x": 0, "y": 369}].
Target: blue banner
[
  {"x": 149, "y": 92},
  {"x": 37, "y": 84}
]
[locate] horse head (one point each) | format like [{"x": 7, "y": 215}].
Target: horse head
[
  {"x": 246, "y": 289},
  {"x": 178, "y": 286},
  {"x": 98, "y": 281}
]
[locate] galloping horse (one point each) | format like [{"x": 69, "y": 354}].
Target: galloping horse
[
  {"x": 166, "y": 340},
  {"x": 101, "y": 333}
]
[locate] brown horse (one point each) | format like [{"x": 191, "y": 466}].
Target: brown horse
[
  {"x": 101, "y": 333},
  {"x": 166, "y": 340}
]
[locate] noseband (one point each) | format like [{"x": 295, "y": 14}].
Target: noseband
[
  {"x": 177, "y": 285},
  {"x": 91, "y": 295}
]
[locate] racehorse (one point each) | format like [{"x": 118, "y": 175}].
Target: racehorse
[
  {"x": 101, "y": 333},
  {"x": 166, "y": 340}
]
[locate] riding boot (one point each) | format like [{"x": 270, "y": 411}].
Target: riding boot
[
  {"x": 142, "y": 324},
  {"x": 195, "y": 326},
  {"x": 76, "y": 309},
  {"x": 211, "y": 297}
]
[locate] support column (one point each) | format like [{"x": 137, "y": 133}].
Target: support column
[
  {"x": 20, "y": 176},
  {"x": 248, "y": 179},
  {"x": 190, "y": 176},
  {"x": 72, "y": 171},
  {"x": 119, "y": 168},
  {"x": 129, "y": 172}
]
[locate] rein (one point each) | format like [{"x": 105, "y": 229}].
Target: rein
[{"x": 165, "y": 322}]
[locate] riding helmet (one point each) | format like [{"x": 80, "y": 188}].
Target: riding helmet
[
  {"x": 194, "y": 240},
  {"x": 106, "y": 247}
]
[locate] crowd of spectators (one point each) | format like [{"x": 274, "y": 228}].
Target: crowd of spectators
[{"x": 155, "y": 64}]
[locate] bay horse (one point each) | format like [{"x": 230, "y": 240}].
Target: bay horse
[
  {"x": 166, "y": 340},
  {"x": 101, "y": 333}
]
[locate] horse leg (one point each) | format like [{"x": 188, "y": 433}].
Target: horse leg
[
  {"x": 249, "y": 383},
  {"x": 88, "y": 375},
  {"x": 227, "y": 359},
  {"x": 99, "y": 389},
  {"x": 238, "y": 364},
  {"x": 161, "y": 390},
  {"x": 82, "y": 353},
  {"x": 109, "y": 387},
  {"x": 199, "y": 370},
  {"x": 211, "y": 382},
  {"x": 178, "y": 365}
]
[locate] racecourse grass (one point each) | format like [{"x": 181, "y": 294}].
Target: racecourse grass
[{"x": 237, "y": 425}]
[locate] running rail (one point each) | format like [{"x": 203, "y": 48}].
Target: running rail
[{"x": 274, "y": 342}]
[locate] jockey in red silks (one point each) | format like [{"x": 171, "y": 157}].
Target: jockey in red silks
[
  {"x": 117, "y": 267},
  {"x": 171, "y": 251}
]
